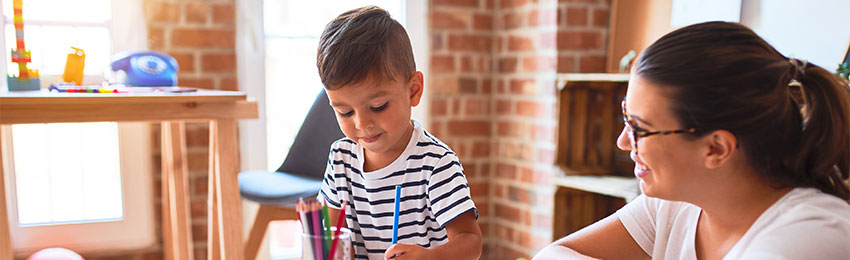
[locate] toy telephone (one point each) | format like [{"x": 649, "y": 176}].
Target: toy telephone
[{"x": 145, "y": 68}]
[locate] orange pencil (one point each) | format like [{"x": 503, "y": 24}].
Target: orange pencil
[{"x": 338, "y": 229}]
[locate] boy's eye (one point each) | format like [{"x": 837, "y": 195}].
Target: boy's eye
[
  {"x": 379, "y": 108},
  {"x": 346, "y": 114}
]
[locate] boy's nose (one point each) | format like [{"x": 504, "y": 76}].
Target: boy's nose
[{"x": 363, "y": 122}]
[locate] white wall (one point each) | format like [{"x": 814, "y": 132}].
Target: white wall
[{"x": 816, "y": 30}]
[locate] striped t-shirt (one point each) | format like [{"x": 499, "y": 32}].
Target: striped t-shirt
[{"x": 434, "y": 192}]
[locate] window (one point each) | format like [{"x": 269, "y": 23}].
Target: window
[{"x": 77, "y": 178}]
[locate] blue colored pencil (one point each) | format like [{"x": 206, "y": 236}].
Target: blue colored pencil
[{"x": 395, "y": 213}]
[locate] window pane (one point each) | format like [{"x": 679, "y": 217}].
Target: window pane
[
  {"x": 50, "y": 46},
  {"x": 67, "y": 172}
]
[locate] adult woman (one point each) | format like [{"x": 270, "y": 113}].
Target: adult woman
[{"x": 756, "y": 168}]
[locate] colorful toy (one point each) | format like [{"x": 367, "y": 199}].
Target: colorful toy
[
  {"x": 27, "y": 79},
  {"x": 74, "y": 67}
]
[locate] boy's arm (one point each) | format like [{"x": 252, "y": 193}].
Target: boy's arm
[
  {"x": 334, "y": 215},
  {"x": 464, "y": 239},
  {"x": 464, "y": 243}
]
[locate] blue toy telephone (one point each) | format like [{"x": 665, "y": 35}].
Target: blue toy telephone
[{"x": 145, "y": 68}]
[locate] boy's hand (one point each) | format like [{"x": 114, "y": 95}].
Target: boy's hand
[{"x": 405, "y": 252}]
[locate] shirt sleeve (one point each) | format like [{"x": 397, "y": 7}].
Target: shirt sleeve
[
  {"x": 329, "y": 191},
  {"x": 448, "y": 191},
  {"x": 639, "y": 216}
]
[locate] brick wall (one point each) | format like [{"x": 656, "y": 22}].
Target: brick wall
[
  {"x": 492, "y": 85},
  {"x": 201, "y": 36}
]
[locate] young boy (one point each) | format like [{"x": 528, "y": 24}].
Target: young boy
[{"x": 366, "y": 64}]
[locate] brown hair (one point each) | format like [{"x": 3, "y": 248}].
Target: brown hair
[
  {"x": 364, "y": 42},
  {"x": 723, "y": 76}
]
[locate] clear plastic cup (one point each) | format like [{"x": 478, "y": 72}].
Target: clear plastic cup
[{"x": 311, "y": 243}]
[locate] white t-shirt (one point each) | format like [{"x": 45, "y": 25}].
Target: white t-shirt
[
  {"x": 804, "y": 224},
  {"x": 434, "y": 192}
]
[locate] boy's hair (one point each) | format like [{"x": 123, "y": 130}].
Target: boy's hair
[{"x": 362, "y": 43}]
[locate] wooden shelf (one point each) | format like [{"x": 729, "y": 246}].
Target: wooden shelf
[{"x": 614, "y": 186}]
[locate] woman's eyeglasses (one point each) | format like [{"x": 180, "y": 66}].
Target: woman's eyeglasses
[{"x": 635, "y": 132}]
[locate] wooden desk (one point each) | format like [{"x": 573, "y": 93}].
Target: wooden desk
[{"x": 220, "y": 108}]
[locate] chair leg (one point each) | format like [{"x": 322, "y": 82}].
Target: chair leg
[
  {"x": 265, "y": 215},
  {"x": 258, "y": 231}
]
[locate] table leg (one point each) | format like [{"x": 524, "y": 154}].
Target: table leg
[
  {"x": 177, "y": 232},
  {"x": 213, "y": 252},
  {"x": 229, "y": 207},
  {"x": 5, "y": 237}
]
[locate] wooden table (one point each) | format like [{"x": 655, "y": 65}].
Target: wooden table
[{"x": 220, "y": 108}]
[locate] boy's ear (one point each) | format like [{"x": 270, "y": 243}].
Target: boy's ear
[
  {"x": 721, "y": 146},
  {"x": 416, "y": 86}
]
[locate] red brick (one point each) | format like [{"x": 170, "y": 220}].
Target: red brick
[
  {"x": 486, "y": 86},
  {"x": 228, "y": 83},
  {"x": 186, "y": 60},
  {"x": 438, "y": 107},
  {"x": 224, "y": 13},
  {"x": 538, "y": 64},
  {"x": 444, "y": 85},
  {"x": 520, "y": 43},
  {"x": 503, "y": 107},
  {"x": 482, "y": 22},
  {"x": 504, "y": 129},
  {"x": 461, "y": 128},
  {"x": 449, "y": 19},
  {"x": 528, "y": 108},
  {"x": 199, "y": 232},
  {"x": 517, "y": 194},
  {"x": 543, "y": 133},
  {"x": 592, "y": 64},
  {"x": 468, "y": 85},
  {"x": 466, "y": 42},
  {"x": 442, "y": 63},
  {"x": 481, "y": 149},
  {"x": 196, "y": 12},
  {"x": 456, "y": 106},
  {"x": 466, "y": 64},
  {"x": 507, "y": 212},
  {"x": 197, "y": 160},
  {"x": 567, "y": 64},
  {"x": 479, "y": 189},
  {"x": 543, "y": 17},
  {"x": 205, "y": 38},
  {"x": 455, "y": 3},
  {"x": 163, "y": 12},
  {"x": 512, "y": 20},
  {"x": 513, "y": 3},
  {"x": 218, "y": 62},
  {"x": 506, "y": 171},
  {"x": 523, "y": 86},
  {"x": 199, "y": 186},
  {"x": 600, "y": 17},
  {"x": 579, "y": 1},
  {"x": 508, "y": 65},
  {"x": 197, "y": 135},
  {"x": 579, "y": 40},
  {"x": 577, "y": 16},
  {"x": 204, "y": 83},
  {"x": 156, "y": 37},
  {"x": 198, "y": 208},
  {"x": 499, "y": 191}
]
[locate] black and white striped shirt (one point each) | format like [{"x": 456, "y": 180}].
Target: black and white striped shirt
[{"x": 434, "y": 192}]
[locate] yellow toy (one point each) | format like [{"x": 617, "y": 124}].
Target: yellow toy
[
  {"x": 27, "y": 79},
  {"x": 74, "y": 67}
]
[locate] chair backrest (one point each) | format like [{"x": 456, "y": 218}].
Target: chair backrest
[{"x": 308, "y": 155}]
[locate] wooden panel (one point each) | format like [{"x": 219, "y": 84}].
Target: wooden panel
[
  {"x": 5, "y": 238},
  {"x": 177, "y": 238},
  {"x": 575, "y": 209},
  {"x": 213, "y": 235}
]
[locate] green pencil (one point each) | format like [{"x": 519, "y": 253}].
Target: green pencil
[{"x": 328, "y": 235}]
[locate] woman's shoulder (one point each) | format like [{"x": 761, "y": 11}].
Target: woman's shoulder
[{"x": 811, "y": 203}]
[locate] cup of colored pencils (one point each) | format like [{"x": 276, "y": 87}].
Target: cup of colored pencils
[{"x": 320, "y": 240}]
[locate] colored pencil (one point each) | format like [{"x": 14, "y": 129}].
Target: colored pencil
[
  {"x": 316, "y": 230},
  {"x": 327, "y": 230},
  {"x": 395, "y": 214},
  {"x": 339, "y": 221}
]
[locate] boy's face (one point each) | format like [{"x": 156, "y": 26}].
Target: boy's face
[{"x": 376, "y": 113}]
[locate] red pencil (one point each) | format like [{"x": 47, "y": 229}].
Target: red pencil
[{"x": 338, "y": 229}]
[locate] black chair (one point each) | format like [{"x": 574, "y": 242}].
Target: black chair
[{"x": 299, "y": 176}]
